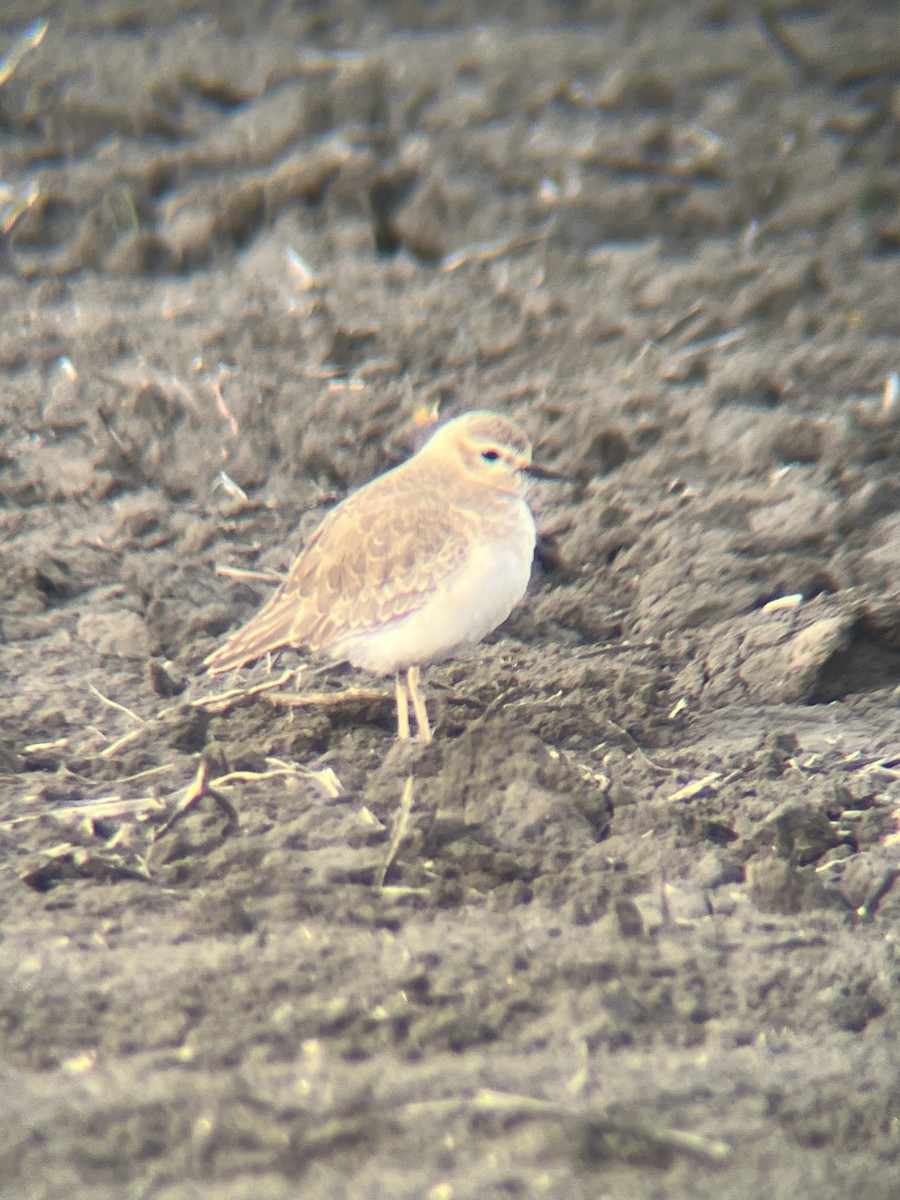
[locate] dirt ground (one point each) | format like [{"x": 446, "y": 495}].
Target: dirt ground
[{"x": 629, "y": 927}]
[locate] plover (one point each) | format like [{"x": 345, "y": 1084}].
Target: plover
[{"x": 424, "y": 561}]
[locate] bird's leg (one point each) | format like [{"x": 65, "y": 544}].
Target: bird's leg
[
  {"x": 402, "y": 708},
  {"x": 418, "y": 703}
]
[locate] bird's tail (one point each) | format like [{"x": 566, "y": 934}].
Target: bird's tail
[{"x": 268, "y": 631}]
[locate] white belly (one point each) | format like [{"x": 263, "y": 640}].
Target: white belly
[{"x": 477, "y": 598}]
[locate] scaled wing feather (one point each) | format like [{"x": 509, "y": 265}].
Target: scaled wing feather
[{"x": 376, "y": 558}]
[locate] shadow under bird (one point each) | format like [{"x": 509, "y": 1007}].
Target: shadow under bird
[{"x": 424, "y": 561}]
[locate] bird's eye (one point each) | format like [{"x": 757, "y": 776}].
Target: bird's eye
[{"x": 490, "y": 455}]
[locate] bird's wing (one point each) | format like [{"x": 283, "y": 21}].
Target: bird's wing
[{"x": 378, "y": 556}]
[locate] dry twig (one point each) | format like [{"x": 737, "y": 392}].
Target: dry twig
[
  {"x": 199, "y": 788},
  {"x": 400, "y": 828}
]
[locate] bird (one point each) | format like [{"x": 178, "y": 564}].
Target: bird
[{"x": 423, "y": 561}]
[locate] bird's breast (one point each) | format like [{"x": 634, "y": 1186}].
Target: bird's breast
[{"x": 462, "y": 608}]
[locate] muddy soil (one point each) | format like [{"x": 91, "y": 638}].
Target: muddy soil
[{"x": 629, "y": 927}]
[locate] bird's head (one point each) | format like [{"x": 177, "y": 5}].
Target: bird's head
[{"x": 491, "y": 450}]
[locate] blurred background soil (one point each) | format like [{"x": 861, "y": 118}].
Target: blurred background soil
[{"x": 629, "y": 927}]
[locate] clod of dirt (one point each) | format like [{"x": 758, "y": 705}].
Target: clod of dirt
[
  {"x": 502, "y": 779},
  {"x": 848, "y": 648},
  {"x": 119, "y": 633},
  {"x": 799, "y": 833},
  {"x": 778, "y": 887}
]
